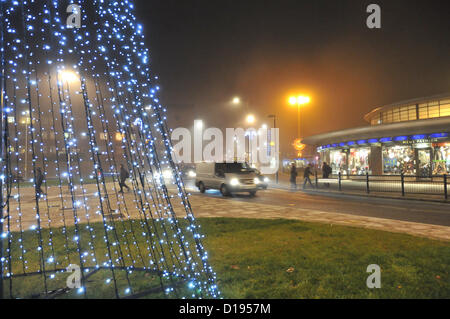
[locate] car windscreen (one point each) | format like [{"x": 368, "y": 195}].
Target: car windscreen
[{"x": 236, "y": 168}]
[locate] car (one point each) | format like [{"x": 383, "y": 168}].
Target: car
[
  {"x": 228, "y": 178},
  {"x": 188, "y": 171}
]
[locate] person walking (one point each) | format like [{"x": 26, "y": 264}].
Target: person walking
[
  {"x": 124, "y": 174},
  {"x": 326, "y": 172},
  {"x": 306, "y": 176},
  {"x": 39, "y": 181},
  {"x": 293, "y": 179}
]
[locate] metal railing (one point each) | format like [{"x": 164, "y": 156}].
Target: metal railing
[{"x": 401, "y": 184}]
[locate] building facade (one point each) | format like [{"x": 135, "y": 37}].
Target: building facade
[{"x": 410, "y": 137}]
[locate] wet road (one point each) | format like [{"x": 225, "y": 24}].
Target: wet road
[{"x": 397, "y": 209}]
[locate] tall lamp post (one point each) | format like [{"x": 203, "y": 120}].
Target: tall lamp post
[
  {"x": 250, "y": 120},
  {"x": 68, "y": 77},
  {"x": 299, "y": 101},
  {"x": 274, "y": 117}
]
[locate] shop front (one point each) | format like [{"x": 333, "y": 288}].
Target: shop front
[
  {"x": 441, "y": 158},
  {"x": 358, "y": 163},
  {"x": 398, "y": 159},
  {"x": 419, "y": 156},
  {"x": 338, "y": 161}
]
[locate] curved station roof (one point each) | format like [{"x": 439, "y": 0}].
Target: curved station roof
[{"x": 435, "y": 126}]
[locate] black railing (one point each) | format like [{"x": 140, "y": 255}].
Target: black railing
[{"x": 401, "y": 184}]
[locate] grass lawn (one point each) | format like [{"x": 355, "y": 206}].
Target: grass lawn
[{"x": 293, "y": 259}]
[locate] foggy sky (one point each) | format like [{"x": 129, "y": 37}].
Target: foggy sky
[{"x": 207, "y": 51}]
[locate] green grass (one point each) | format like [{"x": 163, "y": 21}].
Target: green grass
[
  {"x": 288, "y": 259},
  {"x": 252, "y": 257}
]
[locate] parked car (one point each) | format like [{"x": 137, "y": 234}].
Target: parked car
[{"x": 229, "y": 178}]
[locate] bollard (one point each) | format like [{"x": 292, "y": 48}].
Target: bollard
[
  {"x": 445, "y": 187},
  {"x": 402, "y": 177},
  {"x": 339, "y": 181},
  {"x": 317, "y": 180},
  {"x": 367, "y": 183}
]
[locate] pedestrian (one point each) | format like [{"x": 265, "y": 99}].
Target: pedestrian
[
  {"x": 124, "y": 174},
  {"x": 39, "y": 181},
  {"x": 326, "y": 172},
  {"x": 307, "y": 173},
  {"x": 293, "y": 179}
]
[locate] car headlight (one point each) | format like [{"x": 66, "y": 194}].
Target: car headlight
[
  {"x": 256, "y": 180},
  {"x": 192, "y": 174},
  {"x": 266, "y": 179},
  {"x": 234, "y": 182}
]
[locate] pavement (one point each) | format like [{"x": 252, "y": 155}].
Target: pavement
[
  {"x": 432, "y": 221},
  {"x": 388, "y": 188},
  {"x": 425, "y": 219}
]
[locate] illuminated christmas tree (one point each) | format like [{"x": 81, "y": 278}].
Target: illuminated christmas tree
[{"x": 78, "y": 102}]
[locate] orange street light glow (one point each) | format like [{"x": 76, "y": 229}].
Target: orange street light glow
[
  {"x": 68, "y": 76},
  {"x": 250, "y": 119},
  {"x": 299, "y": 100}
]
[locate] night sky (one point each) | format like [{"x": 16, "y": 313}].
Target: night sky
[{"x": 207, "y": 51}]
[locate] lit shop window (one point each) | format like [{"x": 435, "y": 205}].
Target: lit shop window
[
  {"x": 441, "y": 158},
  {"x": 338, "y": 161},
  {"x": 399, "y": 159},
  {"x": 359, "y": 161}
]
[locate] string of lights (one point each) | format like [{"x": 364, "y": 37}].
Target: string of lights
[{"x": 85, "y": 115}]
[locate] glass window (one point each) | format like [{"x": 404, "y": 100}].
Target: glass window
[
  {"x": 388, "y": 117},
  {"x": 398, "y": 159},
  {"x": 358, "y": 161},
  {"x": 338, "y": 161},
  {"x": 424, "y": 162},
  {"x": 412, "y": 113},
  {"x": 396, "y": 115},
  {"x": 444, "y": 108},
  {"x": 404, "y": 113},
  {"x": 441, "y": 158},
  {"x": 433, "y": 111},
  {"x": 423, "y": 111}
]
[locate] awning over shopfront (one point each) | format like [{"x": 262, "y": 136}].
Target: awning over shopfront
[{"x": 429, "y": 126}]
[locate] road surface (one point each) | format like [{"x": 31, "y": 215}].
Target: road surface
[
  {"x": 396, "y": 209},
  {"x": 429, "y": 219}
]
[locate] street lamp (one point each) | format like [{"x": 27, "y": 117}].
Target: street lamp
[
  {"x": 68, "y": 76},
  {"x": 250, "y": 119},
  {"x": 26, "y": 121},
  {"x": 198, "y": 124},
  {"x": 299, "y": 101}
]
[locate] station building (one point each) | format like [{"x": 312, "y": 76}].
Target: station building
[{"x": 410, "y": 137}]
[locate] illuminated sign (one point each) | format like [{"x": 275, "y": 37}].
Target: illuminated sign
[
  {"x": 401, "y": 138},
  {"x": 386, "y": 139}
]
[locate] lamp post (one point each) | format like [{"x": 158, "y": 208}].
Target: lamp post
[
  {"x": 67, "y": 77},
  {"x": 299, "y": 101},
  {"x": 274, "y": 117},
  {"x": 26, "y": 121},
  {"x": 250, "y": 120}
]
